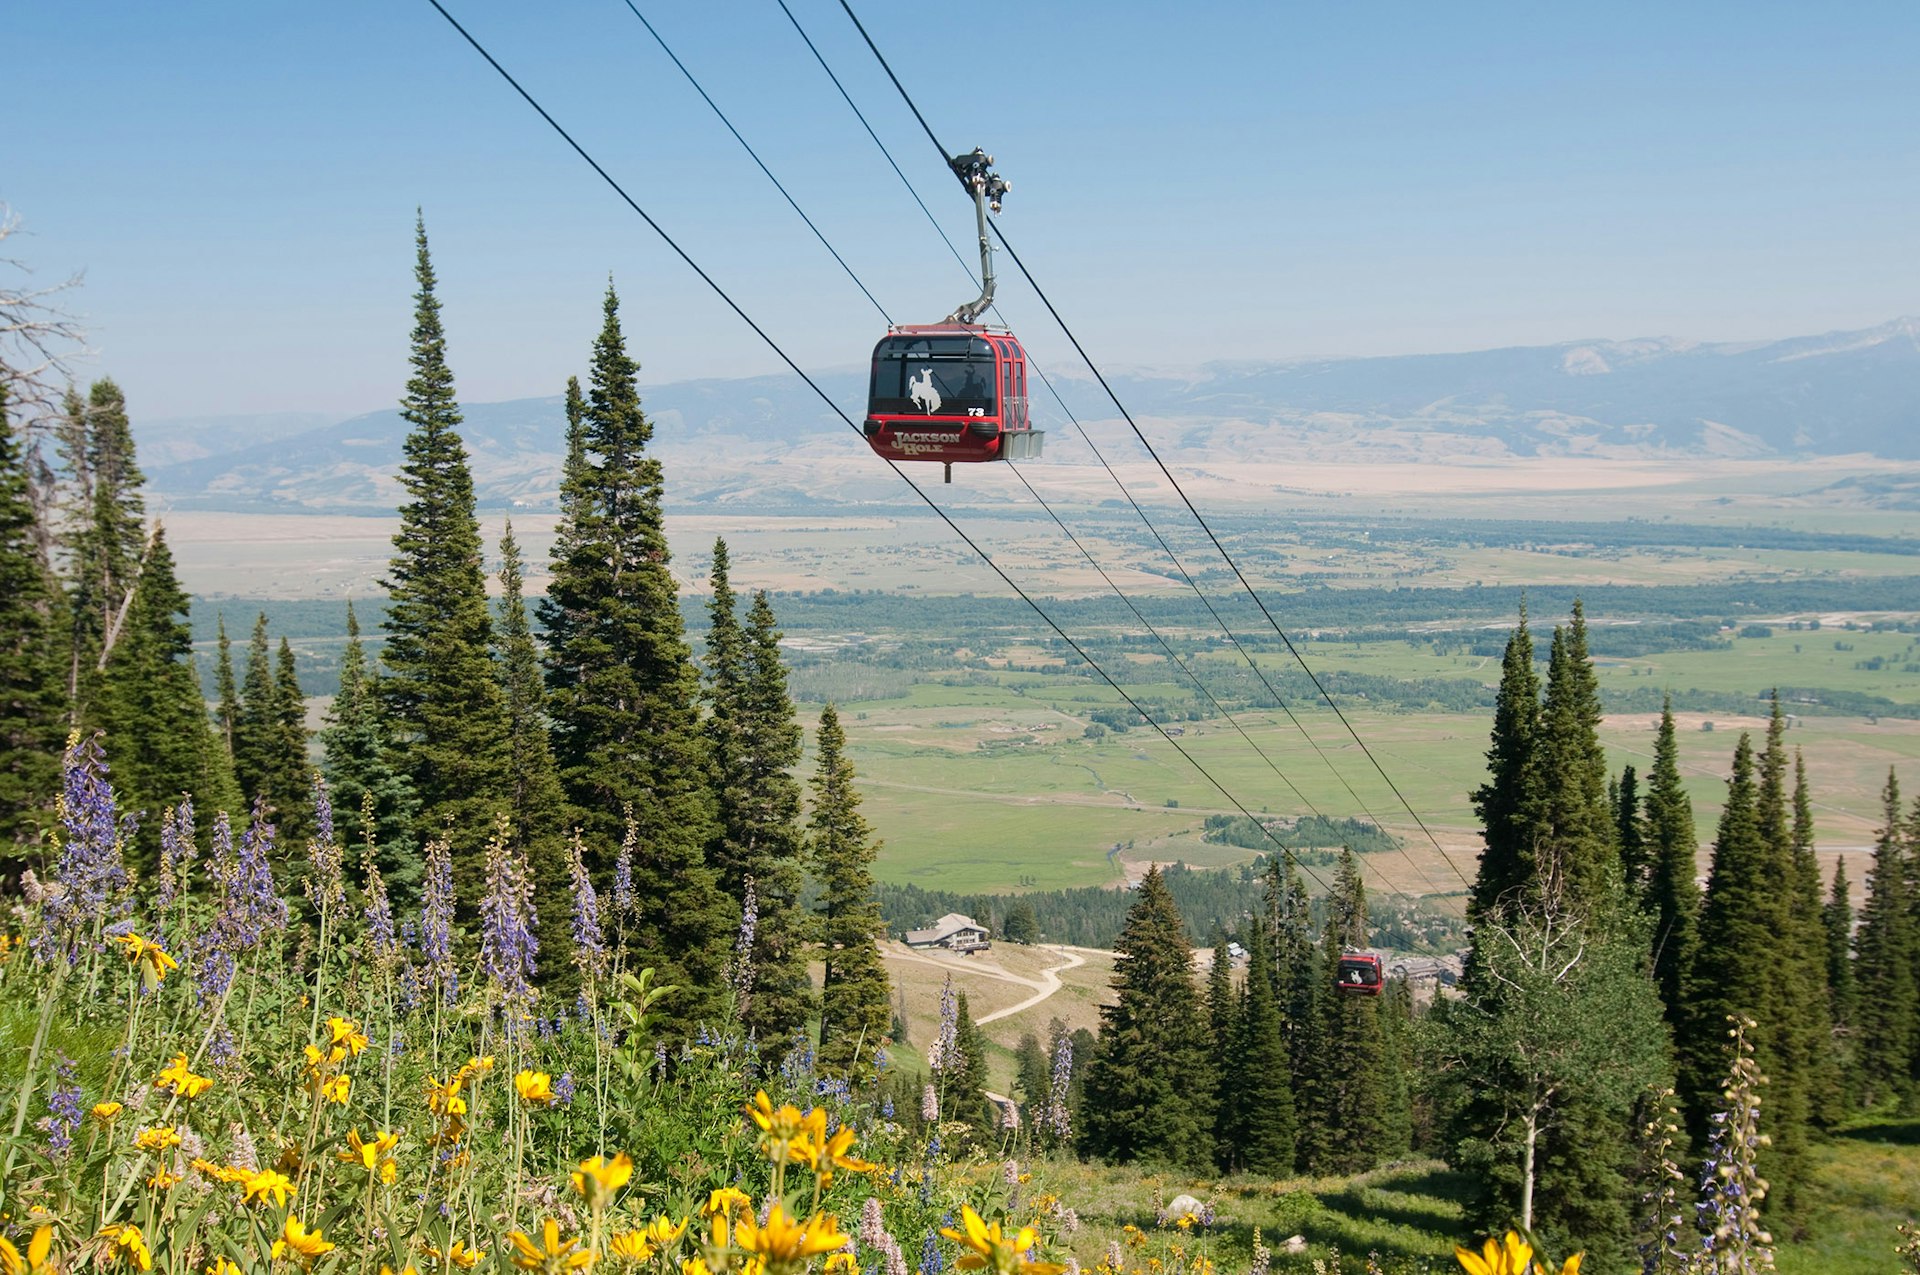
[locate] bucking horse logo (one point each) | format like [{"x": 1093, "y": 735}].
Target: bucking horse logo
[{"x": 920, "y": 390}]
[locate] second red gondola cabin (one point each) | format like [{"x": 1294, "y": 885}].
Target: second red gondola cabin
[{"x": 1358, "y": 973}]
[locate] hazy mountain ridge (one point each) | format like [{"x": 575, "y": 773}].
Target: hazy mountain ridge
[{"x": 769, "y": 441}]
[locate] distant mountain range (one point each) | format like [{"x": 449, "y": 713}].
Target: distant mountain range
[{"x": 767, "y": 441}]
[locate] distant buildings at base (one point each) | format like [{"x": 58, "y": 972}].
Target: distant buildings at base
[{"x": 954, "y": 932}]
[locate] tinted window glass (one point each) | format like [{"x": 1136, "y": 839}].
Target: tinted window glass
[{"x": 921, "y": 375}]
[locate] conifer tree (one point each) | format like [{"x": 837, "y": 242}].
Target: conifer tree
[
  {"x": 754, "y": 743},
  {"x": 1146, "y": 1096},
  {"x": 1813, "y": 1028},
  {"x": 1351, "y": 1124},
  {"x": 292, "y": 768},
  {"x": 32, "y": 685},
  {"x": 1673, "y": 897},
  {"x": 1223, "y": 1032},
  {"x": 1627, "y": 834},
  {"x": 227, "y": 715},
  {"x": 536, "y": 808},
  {"x": 1257, "y": 1087},
  {"x": 1837, "y": 919},
  {"x": 256, "y": 727},
  {"x": 1575, "y": 848},
  {"x": 854, "y": 993},
  {"x": 966, "y": 1085},
  {"x": 1747, "y": 924},
  {"x": 440, "y": 693},
  {"x": 159, "y": 739},
  {"x": 1032, "y": 1078},
  {"x": 108, "y": 535},
  {"x": 622, "y": 688},
  {"x": 1508, "y": 803},
  {"x": 1885, "y": 1009},
  {"x": 359, "y": 762}
]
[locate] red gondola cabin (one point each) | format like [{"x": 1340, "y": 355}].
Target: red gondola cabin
[
  {"x": 950, "y": 392},
  {"x": 1358, "y": 973}
]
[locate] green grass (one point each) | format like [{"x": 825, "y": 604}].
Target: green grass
[{"x": 1867, "y": 1180}]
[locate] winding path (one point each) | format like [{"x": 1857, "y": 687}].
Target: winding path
[{"x": 1044, "y": 986}]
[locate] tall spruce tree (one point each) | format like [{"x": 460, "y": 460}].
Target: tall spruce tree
[
  {"x": 1351, "y": 1123},
  {"x": 535, "y": 806},
  {"x": 257, "y": 723},
  {"x": 1223, "y": 1038},
  {"x": 1885, "y": 1013},
  {"x": 1256, "y": 1076},
  {"x": 1673, "y": 896},
  {"x": 292, "y": 767},
  {"x": 1635, "y": 866},
  {"x": 1837, "y": 919},
  {"x": 1509, "y": 802},
  {"x": 32, "y": 689},
  {"x": 622, "y": 689},
  {"x": 107, "y": 535},
  {"x": 1750, "y": 967},
  {"x": 1147, "y": 1090},
  {"x": 854, "y": 992},
  {"x": 754, "y": 743},
  {"x": 1575, "y": 849},
  {"x": 440, "y": 693},
  {"x": 159, "y": 739},
  {"x": 226, "y": 713},
  {"x": 359, "y": 763},
  {"x": 1813, "y": 1028}
]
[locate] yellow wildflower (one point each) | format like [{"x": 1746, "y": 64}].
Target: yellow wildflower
[
  {"x": 344, "y": 1039},
  {"x": 181, "y": 1080},
  {"x": 841, "y": 1263},
  {"x": 823, "y": 1156},
  {"x": 443, "y": 1097},
  {"x": 554, "y": 1255},
  {"x": 785, "y": 1134},
  {"x": 408, "y": 1269},
  {"x": 36, "y": 1259},
  {"x": 1005, "y": 1255},
  {"x": 222, "y": 1266},
  {"x": 372, "y": 1154},
  {"x": 337, "y": 1089},
  {"x": 630, "y": 1246},
  {"x": 145, "y": 951},
  {"x": 663, "y": 1230},
  {"x": 157, "y": 1138},
  {"x": 597, "y": 1179},
  {"x": 726, "y": 1200},
  {"x": 104, "y": 1112},
  {"x": 125, "y": 1242},
  {"x": 463, "y": 1257},
  {"x": 695, "y": 1265},
  {"x": 268, "y": 1184},
  {"x": 535, "y": 1088},
  {"x": 785, "y": 1243},
  {"x": 164, "y": 1179},
  {"x": 299, "y": 1241},
  {"x": 1511, "y": 1256}
]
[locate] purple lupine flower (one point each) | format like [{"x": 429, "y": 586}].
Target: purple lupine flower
[
  {"x": 565, "y": 1088},
  {"x": 177, "y": 851},
  {"x": 929, "y": 1104},
  {"x": 589, "y": 935},
  {"x": 896, "y": 1263},
  {"x": 1058, "y": 1119},
  {"x": 326, "y": 886},
  {"x": 873, "y": 1227},
  {"x": 247, "y": 904},
  {"x": 382, "y": 943},
  {"x": 740, "y": 964},
  {"x": 932, "y": 1261},
  {"x": 63, "y": 1106},
  {"x": 223, "y": 1048},
  {"x": 436, "y": 919},
  {"x": 625, "y": 902},
  {"x": 90, "y": 870},
  {"x": 945, "y": 1054},
  {"x": 507, "y": 945}
]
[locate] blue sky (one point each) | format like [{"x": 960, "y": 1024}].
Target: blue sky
[{"x": 1194, "y": 182}]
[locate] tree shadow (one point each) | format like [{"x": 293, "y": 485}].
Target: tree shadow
[{"x": 1899, "y": 1133}]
